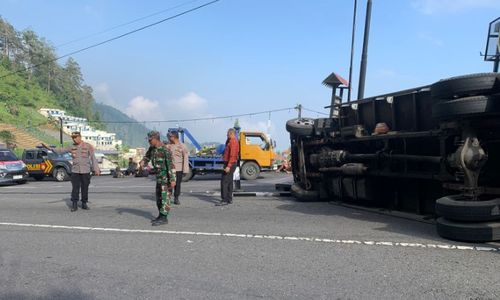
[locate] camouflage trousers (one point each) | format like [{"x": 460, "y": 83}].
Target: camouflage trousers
[{"x": 163, "y": 196}]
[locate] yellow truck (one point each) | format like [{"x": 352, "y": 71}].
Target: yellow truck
[{"x": 256, "y": 155}]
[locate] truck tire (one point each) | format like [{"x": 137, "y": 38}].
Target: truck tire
[
  {"x": 468, "y": 232},
  {"x": 457, "y": 208},
  {"x": 39, "y": 177},
  {"x": 60, "y": 174},
  {"x": 303, "y": 195},
  {"x": 467, "y": 85},
  {"x": 300, "y": 127},
  {"x": 188, "y": 176},
  {"x": 467, "y": 106},
  {"x": 250, "y": 171}
]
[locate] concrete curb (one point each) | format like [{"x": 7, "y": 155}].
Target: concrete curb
[
  {"x": 247, "y": 194},
  {"x": 262, "y": 194}
]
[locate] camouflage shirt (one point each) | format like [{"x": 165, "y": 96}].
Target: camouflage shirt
[{"x": 161, "y": 159}]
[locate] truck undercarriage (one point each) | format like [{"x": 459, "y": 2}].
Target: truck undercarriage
[{"x": 432, "y": 150}]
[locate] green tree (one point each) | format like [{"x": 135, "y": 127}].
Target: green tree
[{"x": 8, "y": 138}]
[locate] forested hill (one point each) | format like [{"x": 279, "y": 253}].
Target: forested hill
[
  {"x": 31, "y": 78},
  {"x": 132, "y": 134}
]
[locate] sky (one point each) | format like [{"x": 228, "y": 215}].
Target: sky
[{"x": 244, "y": 56}]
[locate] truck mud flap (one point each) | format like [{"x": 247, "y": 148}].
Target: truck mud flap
[
  {"x": 457, "y": 208},
  {"x": 304, "y": 195},
  {"x": 468, "y": 232},
  {"x": 467, "y": 85}
]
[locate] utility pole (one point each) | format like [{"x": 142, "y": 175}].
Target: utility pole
[
  {"x": 299, "y": 109},
  {"x": 352, "y": 50},
  {"x": 364, "y": 55},
  {"x": 61, "y": 132}
]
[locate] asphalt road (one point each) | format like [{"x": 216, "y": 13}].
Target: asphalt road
[{"x": 271, "y": 248}]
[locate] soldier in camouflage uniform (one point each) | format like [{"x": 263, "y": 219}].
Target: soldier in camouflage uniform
[{"x": 161, "y": 160}]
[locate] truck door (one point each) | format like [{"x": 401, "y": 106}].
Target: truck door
[
  {"x": 33, "y": 160},
  {"x": 255, "y": 146}
]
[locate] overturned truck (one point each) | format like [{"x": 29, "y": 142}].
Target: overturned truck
[{"x": 430, "y": 150}]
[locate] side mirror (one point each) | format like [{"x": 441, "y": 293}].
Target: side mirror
[{"x": 274, "y": 144}]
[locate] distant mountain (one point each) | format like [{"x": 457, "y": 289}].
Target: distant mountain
[{"x": 132, "y": 135}]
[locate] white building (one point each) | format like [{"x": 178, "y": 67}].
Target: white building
[{"x": 100, "y": 139}]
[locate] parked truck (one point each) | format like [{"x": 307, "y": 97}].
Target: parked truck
[
  {"x": 256, "y": 155},
  {"x": 431, "y": 150}
]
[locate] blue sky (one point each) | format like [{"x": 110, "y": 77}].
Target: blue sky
[{"x": 241, "y": 56}]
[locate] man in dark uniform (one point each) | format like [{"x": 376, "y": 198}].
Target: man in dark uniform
[
  {"x": 83, "y": 161},
  {"x": 165, "y": 175}
]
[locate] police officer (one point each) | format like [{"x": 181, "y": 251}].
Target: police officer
[
  {"x": 161, "y": 160},
  {"x": 83, "y": 161},
  {"x": 180, "y": 156}
]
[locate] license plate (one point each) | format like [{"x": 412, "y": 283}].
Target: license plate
[{"x": 17, "y": 177}]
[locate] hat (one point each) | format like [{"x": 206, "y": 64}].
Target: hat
[
  {"x": 74, "y": 134},
  {"x": 153, "y": 135}
]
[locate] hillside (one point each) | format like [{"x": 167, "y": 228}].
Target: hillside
[{"x": 133, "y": 135}]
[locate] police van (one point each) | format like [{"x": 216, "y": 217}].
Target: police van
[{"x": 42, "y": 163}]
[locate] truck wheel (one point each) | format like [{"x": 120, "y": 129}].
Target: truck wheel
[
  {"x": 468, "y": 232},
  {"x": 467, "y": 106},
  {"x": 303, "y": 195},
  {"x": 39, "y": 177},
  {"x": 188, "y": 176},
  {"x": 467, "y": 85},
  {"x": 300, "y": 127},
  {"x": 250, "y": 171},
  {"x": 457, "y": 208},
  {"x": 60, "y": 174}
]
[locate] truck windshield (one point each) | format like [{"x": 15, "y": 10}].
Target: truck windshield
[{"x": 7, "y": 155}]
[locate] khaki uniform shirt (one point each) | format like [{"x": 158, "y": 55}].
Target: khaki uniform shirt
[
  {"x": 180, "y": 157},
  {"x": 83, "y": 158}
]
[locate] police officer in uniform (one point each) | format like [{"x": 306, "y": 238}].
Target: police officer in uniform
[
  {"x": 83, "y": 161},
  {"x": 180, "y": 157},
  {"x": 161, "y": 160}
]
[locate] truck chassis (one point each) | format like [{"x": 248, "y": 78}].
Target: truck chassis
[{"x": 431, "y": 150}]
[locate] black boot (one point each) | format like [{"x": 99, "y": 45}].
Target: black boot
[
  {"x": 74, "y": 207},
  {"x": 85, "y": 206},
  {"x": 156, "y": 219},
  {"x": 176, "y": 201},
  {"x": 162, "y": 220}
]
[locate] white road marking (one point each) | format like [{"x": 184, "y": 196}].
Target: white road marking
[{"x": 260, "y": 236}]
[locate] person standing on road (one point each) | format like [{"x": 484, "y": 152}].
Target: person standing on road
[
  {"x": 180, "y": 156},
  {"x": 230, "y": 159},
  {"x": 83, "y": 161},
  {"x": 161, "y": 160}
]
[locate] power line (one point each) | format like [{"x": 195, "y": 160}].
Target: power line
[
  {"x": 114, "y": 38},
  {"x": 124, "y": 24},
  {"x": 314, "y": 111},
  {"x": 196, "y": 119}
]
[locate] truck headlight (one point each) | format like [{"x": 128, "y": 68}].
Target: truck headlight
[{"x": 3, "y": 167}]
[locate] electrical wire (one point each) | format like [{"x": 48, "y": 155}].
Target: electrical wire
[
  {"x": 124, "y": 24},
  {"x": 195, "y": 119},
  {"x": 314, "y": 111},
  {"x": 113, "y": 38}
]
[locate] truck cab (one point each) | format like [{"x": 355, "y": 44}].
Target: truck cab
[{"x": 256, "y": 154}]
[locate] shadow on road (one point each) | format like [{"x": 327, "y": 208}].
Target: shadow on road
[
  {"x": 373, "y": 220},
  {"x": 148, "y": 197},
  {"x": 51, "y": 295},
  {"x": 135, "y": 212}
]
